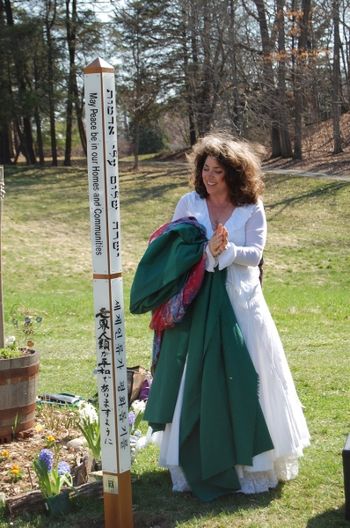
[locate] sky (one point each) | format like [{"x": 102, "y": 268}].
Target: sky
[{"x": 102, "y": 8}]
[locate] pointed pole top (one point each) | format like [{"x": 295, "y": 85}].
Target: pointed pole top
[{"x": 98, "y": 66}]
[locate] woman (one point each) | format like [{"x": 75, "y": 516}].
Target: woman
[{"x": 227, "y": 203}]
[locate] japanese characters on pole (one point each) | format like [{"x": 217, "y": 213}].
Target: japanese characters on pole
[{"x": 108, "y": 288}]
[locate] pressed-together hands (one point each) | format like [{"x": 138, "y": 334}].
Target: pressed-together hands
[{"x": 218, "y": 241}]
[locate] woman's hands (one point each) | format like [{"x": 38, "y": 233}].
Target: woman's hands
[{"x": 218, "y": 241}]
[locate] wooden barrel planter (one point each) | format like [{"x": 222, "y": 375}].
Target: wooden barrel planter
[{"x": 18, "y": 391}]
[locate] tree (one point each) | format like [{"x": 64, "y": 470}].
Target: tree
[
  {"x": 71, "y": 28},
  {"x": 285, "y": 143},
  {"x": 39, "y": 56},
  {"x": 6, "y": 152},
  {"x": 140, "y": 78},
  {"x": 336, "y": 99},
  {"x": 251, "y": 66},
  {"x": 19, "y": 37},
  {"x": 299, "y": 74},
  {"x": 83, "y": 31},
  {"x": 269, "y": 85},
  {"x": 50, "y": 12},
  {"x": 197, "y": 34}
]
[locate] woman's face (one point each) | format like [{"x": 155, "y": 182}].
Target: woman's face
[{"x": 213, "y": 175}]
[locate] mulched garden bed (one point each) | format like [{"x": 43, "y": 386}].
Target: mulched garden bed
[{"x": 54, "y": 427}]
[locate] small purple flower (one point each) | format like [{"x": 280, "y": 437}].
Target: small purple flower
[
  {"x": 27, "y": 320},
  {"x": 145, "y": 388},
  {"x": 131, "y": 418},
  {"x": 46, "y": 457},
  {"x": 63, "y": 468}
]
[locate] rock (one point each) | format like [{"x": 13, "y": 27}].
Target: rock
[
  {"x": 76, "y": 444},
  {"x": 95, "y": 476}
]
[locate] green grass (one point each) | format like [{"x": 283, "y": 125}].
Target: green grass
[{"x": 47, "y": 267}]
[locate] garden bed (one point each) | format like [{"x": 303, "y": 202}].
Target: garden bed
[{"x": 54, "y": 428}]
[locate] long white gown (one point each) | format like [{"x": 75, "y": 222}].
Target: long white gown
[{"x": 278, "y": 398}]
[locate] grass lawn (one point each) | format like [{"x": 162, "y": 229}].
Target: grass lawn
[{"x": 47, "y": 267}]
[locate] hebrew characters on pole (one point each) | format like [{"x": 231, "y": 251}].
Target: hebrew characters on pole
[{"x": 101, "y": 128}]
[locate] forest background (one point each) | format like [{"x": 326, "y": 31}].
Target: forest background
[{"x": 269, "y": 71}]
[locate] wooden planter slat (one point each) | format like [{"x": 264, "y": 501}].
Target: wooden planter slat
[
  {"x": 33, "y": 501},
  {"x": 18, "y": 392}
]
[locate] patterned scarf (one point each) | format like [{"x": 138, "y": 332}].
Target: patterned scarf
[{"x": 173, "y": 310}]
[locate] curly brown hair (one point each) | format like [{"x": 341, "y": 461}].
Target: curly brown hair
[{"x": 242, "y": 163}]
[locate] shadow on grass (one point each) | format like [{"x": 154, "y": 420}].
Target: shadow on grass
[
  {"x": 156, "y": 505},
  {"x": 152, "y": 176},
  {"x": 322, "y": 191},
  {"x": 140, "y": 194},
  {"x": 86, "y": 512},
  {"x": 329, "y": 519},
  {"x": 332, "y": 166},
  {"x": 22, "y": 178},
  {"x": 67, "y": 179}
]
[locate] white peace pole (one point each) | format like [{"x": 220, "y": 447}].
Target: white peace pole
[{"x": 101, "y": 131}]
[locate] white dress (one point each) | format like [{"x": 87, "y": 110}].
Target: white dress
[{"x": 278, "y": 398}]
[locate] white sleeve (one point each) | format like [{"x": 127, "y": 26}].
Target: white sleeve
[
  {"x": 255, "y": 238},
  {"x": 181, "y": 209},
  {"x": 211, "y": 261}
]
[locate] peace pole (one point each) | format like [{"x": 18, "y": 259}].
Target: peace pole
[{"x": 102, "y": 155}]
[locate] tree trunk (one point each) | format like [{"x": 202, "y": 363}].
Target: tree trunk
[
  {"x": 194, "y": 71},
  {"x": 187, "y": 83},
  {"x": 336, "y": 98},
  {"x": 69, "y": 123},
  {"x": 28, "y": 150},
  {"x": 71, "y": 17},
  {"x": 39, "y": 137},
  {"x": 269, "y": 80},
  {"x": 299, "y": 79},
  {"x": 286, "y": 147},
  {"x": 5, "y": 154},
  {"x": 51, "y": 6},
  {"x": 136, "y": 145},
  {"x": 237, "y": 121},
  {"x": 5, "y": 143},
  {"x": 79, "y": 113},
  {"x": 37, "y": 119},
  {"x": 192, "y": 125},
  {"x": 27, "y": 137},
  {"x": 205, "y": 94}
]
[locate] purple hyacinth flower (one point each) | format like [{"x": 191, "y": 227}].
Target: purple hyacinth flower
[
  {"x": 131, "y": 418},
  {"x": 63, "y": 468},
  {"x": 145, "y": 388},
  {"x": 46, "y": 457}
]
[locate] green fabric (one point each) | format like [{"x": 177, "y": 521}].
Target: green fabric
[
  {"x": 221, "y": 421},
  {"x": 163, "y": 268}
]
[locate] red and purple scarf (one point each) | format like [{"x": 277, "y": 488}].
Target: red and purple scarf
[{"x": 173, "y": 310}]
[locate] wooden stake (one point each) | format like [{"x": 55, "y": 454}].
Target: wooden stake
[{"x": 101, "y": 129}]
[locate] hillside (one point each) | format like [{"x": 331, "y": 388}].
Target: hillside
[{"x": 317, "y": 151}]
